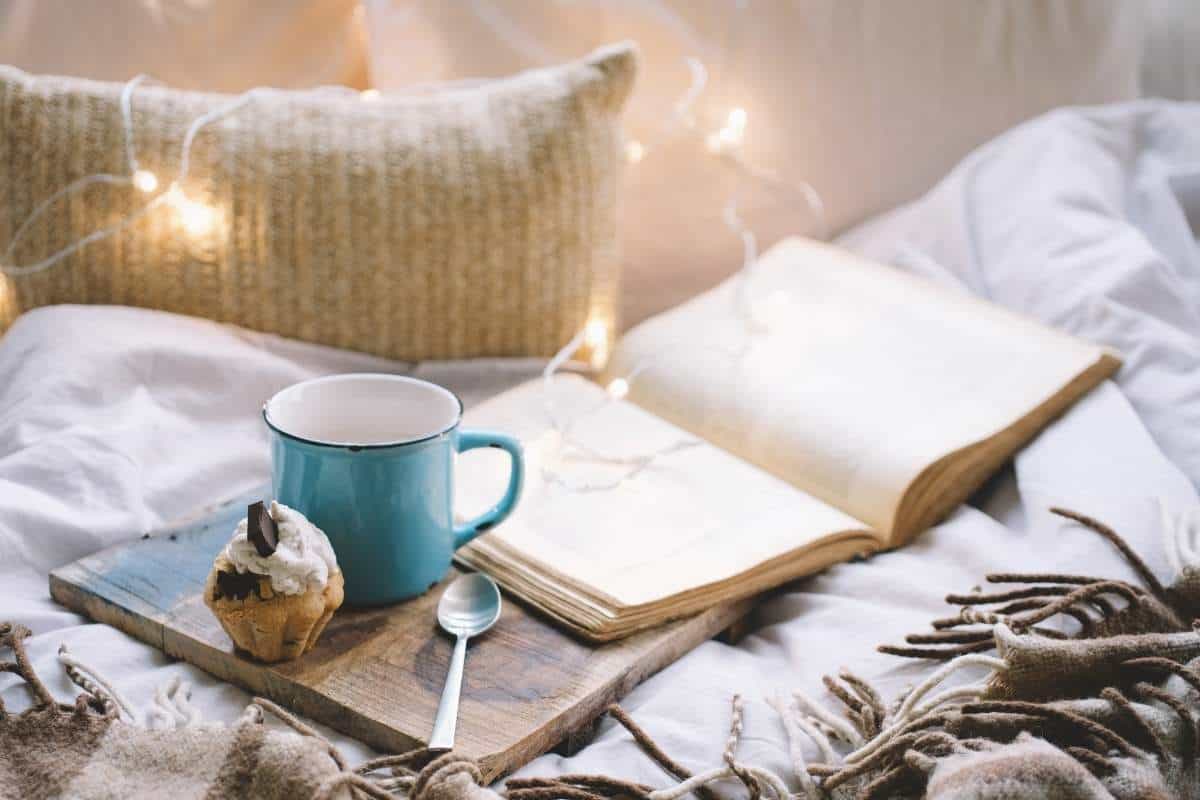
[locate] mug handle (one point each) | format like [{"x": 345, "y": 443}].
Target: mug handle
[{"x": 471, "y": 440}]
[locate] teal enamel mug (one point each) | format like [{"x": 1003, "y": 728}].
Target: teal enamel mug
[{"x": 369, "y": 459}]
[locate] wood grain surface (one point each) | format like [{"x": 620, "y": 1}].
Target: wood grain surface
[{"x": 377, "y": 673}]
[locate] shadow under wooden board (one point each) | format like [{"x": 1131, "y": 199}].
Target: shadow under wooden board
[{"x": 377, "y": 674}]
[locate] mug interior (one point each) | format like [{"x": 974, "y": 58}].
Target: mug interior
[{"x": 363, "y": 410}]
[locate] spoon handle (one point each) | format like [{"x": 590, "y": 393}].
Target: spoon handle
[{"x": 447, "y": 713}]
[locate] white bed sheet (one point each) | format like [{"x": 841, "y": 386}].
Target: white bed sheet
[{"x": 114, "y": 421}]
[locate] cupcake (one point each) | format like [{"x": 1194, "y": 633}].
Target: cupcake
[{"x": 275, "y": 585}]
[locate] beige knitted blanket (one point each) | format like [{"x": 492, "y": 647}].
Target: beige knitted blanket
[
  {"x": 93, "y": 750},
  {"x": 1111, "y": 712}
]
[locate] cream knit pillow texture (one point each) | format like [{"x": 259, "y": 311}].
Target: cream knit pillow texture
[{"x": 469, "y": 220}]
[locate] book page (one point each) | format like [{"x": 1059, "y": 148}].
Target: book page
[
  {"x": 844, "y": 377},
  {"x": 691, "y": 517}
]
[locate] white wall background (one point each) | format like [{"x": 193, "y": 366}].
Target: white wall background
[{"x": 871, "y": 101}]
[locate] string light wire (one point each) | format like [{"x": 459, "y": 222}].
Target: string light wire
[
  {"x": 632, "y": 465},
  {"x": 127, "y": 121},
  {"x": 71, "y": 188},
  {"x": 126, "y": 106},
  {"x": 197, "y": 217},
  {"x": 727, "y": 144}
]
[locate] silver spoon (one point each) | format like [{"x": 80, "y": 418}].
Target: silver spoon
[{"x": 469, "y": 606}]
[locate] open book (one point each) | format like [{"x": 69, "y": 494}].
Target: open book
[{"x": 823, "y": 408}]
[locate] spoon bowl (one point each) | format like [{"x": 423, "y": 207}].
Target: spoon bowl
[{"x": 470, "y": 605}]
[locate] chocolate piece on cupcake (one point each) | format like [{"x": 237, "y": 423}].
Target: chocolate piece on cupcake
[{"x": 275, "y": 585}]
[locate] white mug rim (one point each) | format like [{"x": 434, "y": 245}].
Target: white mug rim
[{"x": 357, "y": 446}]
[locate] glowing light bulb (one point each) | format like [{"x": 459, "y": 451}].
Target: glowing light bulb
[
  {"x": 731, "y": 135},
  {"x": 595, "y": 334},
  {"x": 145, "y": 181},
  {"x": 197, "y": 218},
  {"x": 368, "y": 95},
  {"x": 618, "y": 388},
  {"x": 737, "y": 121},
  {"x": 635, "y": 151}
]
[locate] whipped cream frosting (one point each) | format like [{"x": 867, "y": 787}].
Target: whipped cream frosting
[{"x": 302, "y": 560}]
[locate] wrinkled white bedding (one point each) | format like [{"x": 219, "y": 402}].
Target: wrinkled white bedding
[{"x": 114, "y": 421}]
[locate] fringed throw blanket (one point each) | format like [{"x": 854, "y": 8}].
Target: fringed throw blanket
[
  {"x": 100, "y": 748},
  {"x": 1108, "y": 711}
]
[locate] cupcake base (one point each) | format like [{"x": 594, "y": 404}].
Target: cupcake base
[{"x": 267, "y": 625}]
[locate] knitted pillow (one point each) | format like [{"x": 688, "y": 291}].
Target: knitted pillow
[{"x": 465, "y": 221}]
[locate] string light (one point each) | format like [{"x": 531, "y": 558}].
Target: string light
[
  {"x": 731, "y": 136},
  {"x": 727, "y": 143},
  {"x": 197, "y": 218},
  {"x": 145, "y": 181},
  {"x": 595, "y": 333},
  {"x": 699, "y": 80},
  {"x": 737, "y": 121},
  {"x": 200, "y": 220},
  {"x": 562, "y": 438},
  {"x": 596, "y": 338}
]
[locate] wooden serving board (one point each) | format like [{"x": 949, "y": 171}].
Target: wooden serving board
[{"x": 377, "y": 674}]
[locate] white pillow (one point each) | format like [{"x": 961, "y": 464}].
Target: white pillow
[
  {"x": 870, "y": 101},
  {"x": 210, "y": 45}
]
